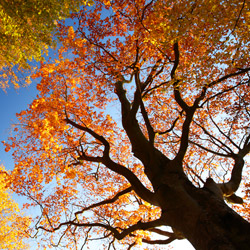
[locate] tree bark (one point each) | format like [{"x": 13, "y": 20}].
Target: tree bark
[{"x": 203, "y": 218}]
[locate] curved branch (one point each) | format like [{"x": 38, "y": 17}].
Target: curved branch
[
  {"x": 222, "y": 92},
  {"x": 172, "y": 126},
  {"x": 176, "y": 61},
  {"x": 91, "y": 132},
  {"x": 233, "y": 184},
  {"x": 241, "y": 71},
  {"x": 161, "y": 232},
  {"x": 105, "y": 202},
  {"x": 161, "y": 242},
  {"x": 155, "y": 87},
  {"x": 185, "y": 135},
  {"x": 118, "y": 235},
  {"x": 136, "y": 184}
]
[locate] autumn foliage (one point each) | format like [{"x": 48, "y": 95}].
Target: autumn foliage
[
  {"x": 26, "y": 33},
  {"x": 13, "y": 225},
  {"x": 142, "y": 121}
]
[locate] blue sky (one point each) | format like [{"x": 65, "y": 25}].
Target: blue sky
[{"x": 12, "y": 102}]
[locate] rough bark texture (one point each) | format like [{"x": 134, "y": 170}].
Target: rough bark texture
[{"x": 204, "y": 218}]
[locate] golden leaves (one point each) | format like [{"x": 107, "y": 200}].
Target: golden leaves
[
  {"x": 134, "y": 47},
  {"x": 12, "y": 224},
  {"x": 27, "y": 29},
  {"x": 71, "y": 33}
]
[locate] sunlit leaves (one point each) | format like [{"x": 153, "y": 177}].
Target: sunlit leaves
[
  {"x": 13, "y": 226},
  {"x": 26, "y": 32},
  {"x": 126, "y": 52}
]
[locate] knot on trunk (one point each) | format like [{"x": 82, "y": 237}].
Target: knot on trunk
[{"x": 213, "y": 188}]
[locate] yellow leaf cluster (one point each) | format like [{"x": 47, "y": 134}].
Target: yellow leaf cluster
[
  {"x": 26, "y": 33},
  {"x": 12, "y": 224}
]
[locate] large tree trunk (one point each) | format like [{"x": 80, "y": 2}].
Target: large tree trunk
[{"x": 203, "y": 218}]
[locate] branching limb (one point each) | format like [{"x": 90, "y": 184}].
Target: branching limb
[
  {"x": 91, "y": 132},
  {"x": 223, "y": 92},
  {"x": 105, "y": 202},
  {"x": 223, "y": 78},
  {"x": 217, "y": 142},
  {"x": 219, "y": 129},
  {"x": 117, "y": 234},
  {"x": 150, "y": 129},
  {"x": 188, "y": 110},
  {"x": 172, "y": 126},
  {"x": 136, "y": 184},
  {"x": 233, "y": 184},
  {"x": 210, "y": 150}
]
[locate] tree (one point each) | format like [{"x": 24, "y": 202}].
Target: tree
[
  {"x": 26, "y": 32},
  {"x": 142, "y": 122},
  {"x": 12, "y": 224}
]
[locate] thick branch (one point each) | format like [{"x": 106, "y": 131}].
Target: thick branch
[
  {"x": 151, "y": 133},
  {"x": 121, "y": 93},
  {"x": 161, "y": 242},
  {"x": 137, "y": 186},
  {"x": 91, "y": 132},
  {"x": 185, "y": 135},
  {"x": 161, "y": 232},
  {"x": 141, "y": 147},
  {"x": 233, "y": 184},
  {"x": 176, "y": 61}
]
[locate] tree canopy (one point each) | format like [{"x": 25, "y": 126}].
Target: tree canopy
[
  {"x": 141, "y": 122},
  {"x": 26, "y": 32}
]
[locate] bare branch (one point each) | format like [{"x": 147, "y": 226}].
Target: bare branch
[
  {"x": 91, "y": 132},
  {"x": 172, "y": 126},
  {"x": 229, "y": 152},
  {"x": 210, "y": 150},
  {"x": 105, "y": 202},
  {"x": 151, "y": 133},
  {"x": 176, "y": 61},
  {"x": 221, "y": 79},
  {"x": 118, "y": 235},
  {"x": 233, "y": 184},
  {"x": 137, "y": 186}
]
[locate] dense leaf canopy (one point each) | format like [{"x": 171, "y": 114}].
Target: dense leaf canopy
[
  {"x": 26, "y": 32},
  {"x": 144, "y": 94}
]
